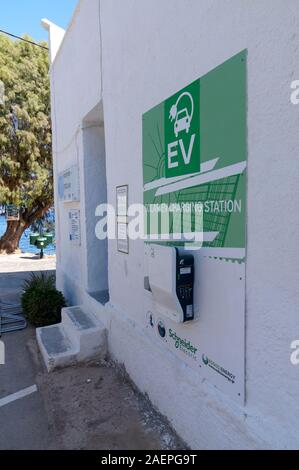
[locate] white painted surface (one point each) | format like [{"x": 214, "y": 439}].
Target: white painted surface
[
  {"x": 218, "y": 329},
  {"x": 163, "y": 281},
  {"x": 18, "y": 395},
  {"x": 56, "y": 35},
  {"x": 150, "y": 49}
]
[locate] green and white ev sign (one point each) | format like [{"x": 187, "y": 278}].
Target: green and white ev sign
[
  {"x": 194, "y": 148},
  {"x": 182, "y": 139}
]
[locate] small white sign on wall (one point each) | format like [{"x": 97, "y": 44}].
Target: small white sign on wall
[
  {"x": 75, "y": 226},
  {"x": 68, "y": 185},
  {"x": 122, "y": 238},
  {"x": 122, "y": 219}
]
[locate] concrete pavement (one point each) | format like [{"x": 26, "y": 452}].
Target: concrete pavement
[{"x": 26, "y": 262}]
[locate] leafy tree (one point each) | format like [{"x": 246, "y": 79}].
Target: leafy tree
[{"x": 26, "y": 175}]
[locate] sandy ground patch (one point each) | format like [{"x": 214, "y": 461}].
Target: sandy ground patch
[{"x": 95, "y": 407}]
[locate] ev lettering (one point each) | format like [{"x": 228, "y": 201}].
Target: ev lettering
[
  {"x": 173, "y": 152},
  {"x": 182, "y": 132}
]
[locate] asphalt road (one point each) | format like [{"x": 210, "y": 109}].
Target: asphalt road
[{"x": 24, "y": 422}]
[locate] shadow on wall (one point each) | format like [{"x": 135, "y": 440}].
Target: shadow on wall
[
  {"x": 95, "y": 183},
  {"x": 70, "y": 290}
]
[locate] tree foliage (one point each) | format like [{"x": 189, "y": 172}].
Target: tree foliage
[
  {"x": 25, "y": 127},
  {"x": 26, "y": 176}
]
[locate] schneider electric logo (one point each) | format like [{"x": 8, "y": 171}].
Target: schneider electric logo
[
  {"x": 219, "y": 369},
  {"x": 183, "y": 344},
  {"x": 205, "y": 360}
]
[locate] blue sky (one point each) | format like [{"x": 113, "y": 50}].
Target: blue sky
[{"x": 23, "y": 16}]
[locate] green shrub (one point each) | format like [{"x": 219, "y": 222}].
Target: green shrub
[{"x": 41, "y": 301}]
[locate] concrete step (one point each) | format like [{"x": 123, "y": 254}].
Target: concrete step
[
  {"x": 79, "y": 337},
  {"x": 56, "y": 348},
  {"x": 85, "y": 331}
]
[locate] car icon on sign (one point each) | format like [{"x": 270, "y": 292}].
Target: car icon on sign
[{"x": 182, "y": 122}]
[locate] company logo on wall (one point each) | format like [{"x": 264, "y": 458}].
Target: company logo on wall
[
  {"x": 161, "y": 329},
  {"x": 150, "y": 319},
  {"x": 183, "y": 344},
  {"x": 205, "y": 359},
  {"x": 219, "y": 369}
]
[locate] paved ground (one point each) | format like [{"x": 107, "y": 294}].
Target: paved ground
[
  {"x": 14, "y": 269},
  {"x": 24, "y": 422},
  {"x": 92, "y": 406},
  {"x": 25, "y": 262}
]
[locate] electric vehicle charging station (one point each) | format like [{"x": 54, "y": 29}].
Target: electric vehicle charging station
[
  {"x": 195, "y": 300},
  {"x": 172, "y": 287}
]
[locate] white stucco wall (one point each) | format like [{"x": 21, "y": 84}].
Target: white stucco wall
[
  {"x": 76, "y": 89},
  {"x": 149, "y": 50}
]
